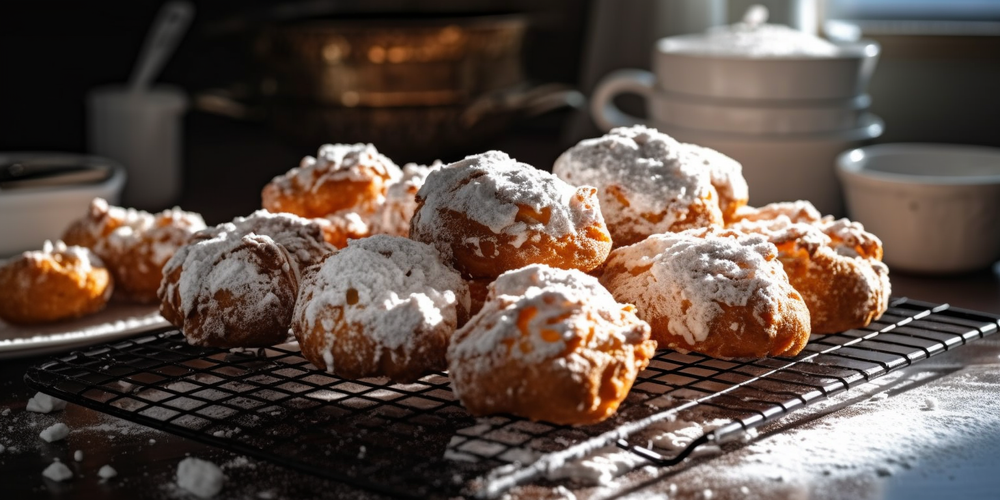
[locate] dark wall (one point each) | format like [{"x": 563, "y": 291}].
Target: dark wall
[{"x": 52, "y": 52}]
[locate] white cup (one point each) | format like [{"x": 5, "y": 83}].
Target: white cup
[
  {"x": 144, "y": 132},
  {"x": 741, "y": 116}
]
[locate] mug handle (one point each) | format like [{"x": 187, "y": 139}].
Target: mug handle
[{"x": 624, "y": 81}]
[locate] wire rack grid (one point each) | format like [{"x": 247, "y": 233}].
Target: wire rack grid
[{"x": 416, "y": 440}]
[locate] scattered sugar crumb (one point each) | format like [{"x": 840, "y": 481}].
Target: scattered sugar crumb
[
  {"x": 744, "y": 490},
  {"x": 107, "y": 472},
  {"x": 43, "y": 403},
  {"x": 361, "y": 453},
  {"x": 152, "y": 441},
  {"x": 57, "y": 471},
  {"x": 55, "y": 432},
  {"x": 200, "y": 477},
  {"x": 78, "y": 455},
  {"x": 930, "y": 404},
  {"x": 5, "y": 412},
  {"x": 707, "y": 494}
]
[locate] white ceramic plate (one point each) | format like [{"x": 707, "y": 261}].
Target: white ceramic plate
[{"x": 116, "y": 321}]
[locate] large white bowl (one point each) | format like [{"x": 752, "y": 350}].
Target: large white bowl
[
  {"x": 787, "y": 167},
  {"x": 936, "y": 207},
  {"x": 29, "y": 216}
]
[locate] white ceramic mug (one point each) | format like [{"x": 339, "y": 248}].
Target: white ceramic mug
[
  {"x": 144, "y": 132},
  {"x": 720, "y": 115}
]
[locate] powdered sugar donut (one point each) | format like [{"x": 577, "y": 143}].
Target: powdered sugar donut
[
  {"x": 393, "y": 216},
  {"x": 383, "y": 306},
  {"x": 715, "y": 291},
  {"x": 343, "y": 226},
  {"x": 134, "y": 244},
  {"x": 835, "y": 264},
  {"x": 234, "y": 285},
  {"x": 55, "y": 283},
  {"x": 649, "y": 183},
  {"x": 549, "y": 344},
  {"x": 341, "y": 177},
  {"x": 488, "y": 214},
  {"x": 726, "y": 175}
]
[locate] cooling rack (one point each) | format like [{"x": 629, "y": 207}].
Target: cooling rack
[{"x": 416, "y": 439}]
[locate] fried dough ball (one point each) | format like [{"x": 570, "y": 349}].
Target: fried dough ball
[
  {"x": 488, "y": 214},
  {"x": 341, "y": 177},
  {"x": 726, "y": 176},
  {"x": 649, "y": 183},
  {"x": 133, "y": 244},
  {"x": 383, "y": 306},
  {"x": 234, "y": 285},
  {"x": 59, "y": 282},
  {"x": 393, "y": 216},
  {"x": 550, "y": 344},
  {"x": 715, "y": 291},
  {"x": 340, "y": 227},
  {"x": 835, "y": 264}
]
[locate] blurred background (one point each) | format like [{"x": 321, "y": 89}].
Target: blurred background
[{"x": 267, "y": 82}]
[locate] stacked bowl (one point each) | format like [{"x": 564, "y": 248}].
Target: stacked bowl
[{"x": 781, "y": 102}]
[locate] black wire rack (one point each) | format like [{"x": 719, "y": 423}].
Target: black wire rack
[{"x": 416, "y": 439}]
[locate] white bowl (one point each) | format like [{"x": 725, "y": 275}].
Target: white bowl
[
  {"x": 787, "y": 167},
  {"x": 31, "y": 215},
  {"x": 936, "y": 207}
]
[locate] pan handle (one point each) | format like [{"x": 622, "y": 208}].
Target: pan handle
[
  {"x": 224, "y": 102},
  {"x": 531, "y": 101}
]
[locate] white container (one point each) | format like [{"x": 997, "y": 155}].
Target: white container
[
  {"x": 681, "y": 67},
  {"x": 936, "y": 207},
  {"x": 144, "y": 132},
  {"x": 31, "y": 215},
  {"x": 720, "y": 115},
  {"x": 787, "y": 167}
]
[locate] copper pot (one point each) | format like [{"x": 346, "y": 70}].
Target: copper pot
[{"x": 387, "y": 63}]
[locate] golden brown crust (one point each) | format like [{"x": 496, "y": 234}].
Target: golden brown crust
[
  {"x": 52, "y": 285},
  {"x": 234, "y": 285},
  {"x": 835, "y": 264},
  {"x": 228, "y": 318},
  {"x": 747, "y": 310},
  {"x": 560, "y": 354},
  {"x": 133, "y": 244},
  {"x": 383, "y": 306},
  {"x": 478, "y": 252},
  {"x": 634, "y": 227},
  {"x": 341, "y": 177}
]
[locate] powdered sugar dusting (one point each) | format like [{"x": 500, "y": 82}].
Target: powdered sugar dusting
[
  {"x": 489, "y": 187},
  {"x": 725, "y": 172},
  {"x": 393, "y": 216},
  {"x": 693, "y": 273},
  {"x": 224, "y": 260},
  {"x": 659, "y": 179},
  {"x": 393, "y": 288},
  {"x": 560, "y": 300}
]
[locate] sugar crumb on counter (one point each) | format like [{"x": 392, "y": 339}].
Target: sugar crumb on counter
[
  {"x": 43, "y": 403},
  {"x": 78, "y": 455},
  {"x": 107, "y": 472},
  {"x": 57, "y": 471},
  {"x": 55, "y": 432},
  {"x": 200, "y": 477}
]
